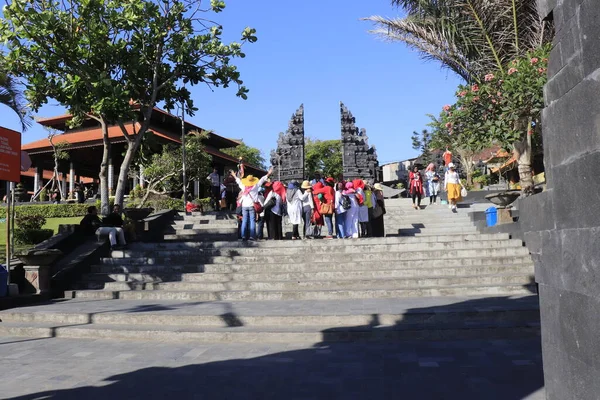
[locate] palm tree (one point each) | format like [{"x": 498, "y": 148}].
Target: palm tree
[
  {"x": 470, "y": 37},
  {"x": 11, "y": 97}
]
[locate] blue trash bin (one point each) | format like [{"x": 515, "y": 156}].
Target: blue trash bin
[
  {"x": 3, "y": 279},
  {"x": 491, "y": 216}
]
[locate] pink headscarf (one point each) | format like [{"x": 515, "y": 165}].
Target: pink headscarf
[
  {"x": 349, "y": 188},
  {"x": 430, "y": 167}
]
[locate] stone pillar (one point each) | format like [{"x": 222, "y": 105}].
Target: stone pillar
[
  {"x": 561, "y": 225},
  {"x": 142, "y": 176},
  {"x": 111, "y": 176},
  {"x": 71, "y": 178},
  {"x": 63, "y": 183},
  {"x": 38, "y": 179},
  {"x": 197, "y": 188},
  {"x": 136, "y": 181}
]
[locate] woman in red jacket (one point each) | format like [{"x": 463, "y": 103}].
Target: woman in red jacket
[
  {"x": 416, "y": 187},
  {"x": 326, "y": 197}
]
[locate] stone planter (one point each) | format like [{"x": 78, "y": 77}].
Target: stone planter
[
  {"x": 38, "y": 267},
  {"x": 504, "y": 199},
  {"x": 39, "y": 257},
  {"x": 137, "y": 214}
]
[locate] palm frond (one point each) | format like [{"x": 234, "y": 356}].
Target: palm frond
[
  {"x": 470, "y": 37},
  {"x": 11, "y": 97}
]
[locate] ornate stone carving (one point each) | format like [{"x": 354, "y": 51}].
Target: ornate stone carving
[
  {"x": 359, "y": 160},
  {"x": 288, "y": 159}
]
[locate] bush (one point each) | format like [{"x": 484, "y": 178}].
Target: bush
[
  {"x": 50, "y": 210},
  {"x": 32, "y": 236},
  {"x": 44, "y": 195},
  {"x": 30, "y": 222},
  {"x": 160, "y": 204}
]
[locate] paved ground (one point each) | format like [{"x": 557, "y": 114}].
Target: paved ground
[
  {"x": 83, "y": 369},
  {"x": 288, "y": 307}
]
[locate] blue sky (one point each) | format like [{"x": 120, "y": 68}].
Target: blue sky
[{"x": 318, "y": 53}]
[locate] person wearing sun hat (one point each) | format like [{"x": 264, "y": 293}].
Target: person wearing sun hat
[
  {"x": 308, "y": 206},
  {"x": 452, "y": 186},
  {"x": 249, "y": 187}
]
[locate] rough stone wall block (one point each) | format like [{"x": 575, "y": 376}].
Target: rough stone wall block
[{"x": 562, "y": 225}]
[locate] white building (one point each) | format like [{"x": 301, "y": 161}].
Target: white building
[{"x": 396, "y": 171}]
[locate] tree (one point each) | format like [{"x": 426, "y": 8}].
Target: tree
[
  {"x": 421, "y": 142},
  {"x": 504, "y": 110},
  {"x": 446, "y": 135},
  {"x": 115, "y": 61},
  {"x": 324, "y": 156},
  {"x": 11, "y": 97},
  {"x": 469, "y": 37},
  {"x": 251, "y": 155},
  {"x": 163, "y": 172}
]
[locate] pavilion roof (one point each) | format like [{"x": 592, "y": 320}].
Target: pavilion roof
[
  {"x": 79, "y": 139},
  {"x": 59, "y": 122}
]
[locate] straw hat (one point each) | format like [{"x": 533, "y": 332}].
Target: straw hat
[
  {"x": 378, "y": 186},
  {"x": 250, "y": 181},
  {"x": 306, "y": 185}
]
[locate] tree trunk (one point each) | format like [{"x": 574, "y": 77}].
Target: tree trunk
[
  {"x": 132, "y": 147},
  {"x": 522, "y": 151},
  {"x": 104, "y": 200}
]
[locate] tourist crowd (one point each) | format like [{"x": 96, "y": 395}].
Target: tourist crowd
[{"x": 322, "y": 207}]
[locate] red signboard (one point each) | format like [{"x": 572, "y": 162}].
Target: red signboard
[{"x": 10, "y": 155}]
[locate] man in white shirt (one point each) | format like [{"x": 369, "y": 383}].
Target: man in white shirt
[{"x": 215, "y": 188}]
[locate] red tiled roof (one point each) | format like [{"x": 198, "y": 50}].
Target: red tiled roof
[
  {"x": 48, "y": 121},
  {"x": 90, "y": 135}
]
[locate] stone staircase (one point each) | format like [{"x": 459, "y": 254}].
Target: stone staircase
[{"x": 433, "y": 277}]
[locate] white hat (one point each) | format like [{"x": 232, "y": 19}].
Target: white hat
[{"x": 451, "y": 165}]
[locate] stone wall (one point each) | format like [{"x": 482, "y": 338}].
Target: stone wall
[
  {"x": 288, "y": 159},
  {"x": 562, "y": 225},
  {"x": 359, "y": 160}
]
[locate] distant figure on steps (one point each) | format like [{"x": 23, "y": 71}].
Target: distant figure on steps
[
  {"x": 416, "y": 187},
  {"x": 433, "y": 183},
  {"x": 453, "y": 186}
]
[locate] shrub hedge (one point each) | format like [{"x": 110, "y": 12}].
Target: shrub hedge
[
  {"x": 79, "y": 210},
  {"x": 49, "y": 210},
  {"x": 32, "y": 236}
]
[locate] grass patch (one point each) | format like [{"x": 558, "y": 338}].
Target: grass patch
[{"x": 51, "y": 223}]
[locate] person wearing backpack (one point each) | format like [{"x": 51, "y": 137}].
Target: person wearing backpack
[
  {"x": 342, "y": 204},
  {"x": 351, "y": 224}
]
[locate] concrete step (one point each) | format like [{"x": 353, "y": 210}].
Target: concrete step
[
  {"x": 304, "y": 244},
  {"x": 315, "y": 275},
  {"x": 315, "y": 266},
  {"x": 527, "y": 313},
  {"x": 208, "y": 237},
  {"x": 208, "y": 230},
  {"x": 334, "y": 258},
  {"x": 323, "y": 248},
  {"x": 291, "y": 285},
  {"x": 274, "y": 334},
  {"x": 275, "y": 295}
]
